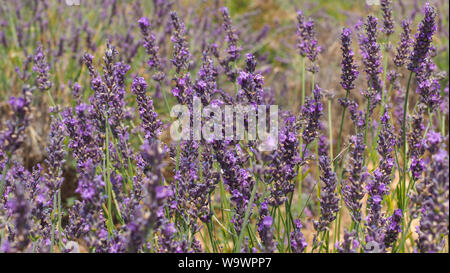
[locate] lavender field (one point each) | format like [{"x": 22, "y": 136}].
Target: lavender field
[{"x": 116, "y": 133}]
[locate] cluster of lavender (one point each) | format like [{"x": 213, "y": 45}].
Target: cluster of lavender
[
  {"x": 137, "y": 191},
  {"x": 307, "y": 41}
]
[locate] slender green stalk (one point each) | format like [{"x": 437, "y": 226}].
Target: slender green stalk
[
  {"x": 53, "y": 216},
  {"x": 365, "y": 129},
  {"x": 383, "y": 90},
  {"x": 60, "y": 218},
  {"x": 303, "y": 81},
  {"x": 300, "y": 176},
  {"x": 108, "y": 179},
  {"x": 405, "y": 111},
  {"x": 341, "y": 126},
  {"x": 330, "y": 132}
]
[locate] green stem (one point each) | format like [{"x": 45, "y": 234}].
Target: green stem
[
  {"x": 53, "y": 216},
  {"x": 365, "y": 129},
  {"x": 300, "y": 176},
  {"x": 341, "y": 126},
  {"x": 330, "y": 133},
  {"x": 303, "y": 81},
  {"x": 383, "y": 90},
  {"x": 405, "y": 111},
  {"x": 108, "y": 179}
]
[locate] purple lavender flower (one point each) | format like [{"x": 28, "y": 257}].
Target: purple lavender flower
[
  {"x": 307, "y": 42},
  {"x": 329, "y": 200},
  {"x": 301, "y": 34},
  {"x": 151, "y": 124},
  {"x": 185, "y": 179},
  {"x": 181, "y": 52},
  {"x": 183, "y": 90},
  {"x": 424, "y": 38},
  {"x": 416, "y": 145},
  {"x": 312, "y": 110},
  {"x": 378, "y": 185},
  {"x": 349, "y": 68},
  {"x": 388, "y": 22},
  {"x": 251, "y": 83},
  {"x": 206, "y": 83},
  {"x": 109, "y": 90},
  {"x": 20, "y": 208},
  {"x": 393, "y": 228},
  {"x": 434, "y": 221},
  {"x": 265, "y": 229},
  {"x": 350, "y": 243},
  {"x": 42, "y": 68},
  {"x": 13, "y": 136},
  {"x": 237, "y": 179},
  {"x": 56, "y": 156},
  {"x": 428, "y": 85},
  {"x": 370, "y": 51},
  {"x": 150, "y": 216},
  {"x": 151, "y": 48},
  {"x": 353, "y": 188},
  {"x": 284, "y": 161},
  {"x": 298, "y": 242},
  {"x": 324, "y": 146},
  {"x": 403, "y": 48},
  {"x": 234, "y": 50},
  {"x": 84, "y": 142}
]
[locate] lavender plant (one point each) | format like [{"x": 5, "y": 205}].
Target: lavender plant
[{"x": 88, "y": 164}]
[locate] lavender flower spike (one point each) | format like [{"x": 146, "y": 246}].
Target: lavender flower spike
[
  {"x": 403, "y": 49},
  {"x": 370, "y": 51},
  {"x": 434, "y": 222},
  {"x": 393, "y": 228},
  {"x": 298, "y": 241},
  {"x": 265, "y": 229},
  {"x": 151, "y": 124},
  {"x": 151, "y": 48},
  {"x": 181, "y": 52},
  {"x": 353, "y": 188},
  {"x": 42, "y": 68},
  {"x": 312, "y": 110},
  {"x": 388, "y": 22},
  {"x": 424, "y": 38},
  {"x": 329, "y": 200},
  {"x": 234, "y": 51},
  {"x": 349, "y": 68}
]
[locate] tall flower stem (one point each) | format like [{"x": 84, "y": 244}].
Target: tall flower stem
[
  {"x": 303, "y": 81},
  {"x": 330, "y": 132},
  {"x": 341, "y": 126},
  {"x": 405, "y": 111},
  {"x": 366, "y": 128},
  {"x": 300, "y": 176},
  {"x": 108, "y": 179},
  {"x": 385, "y": 66},
  {"x": 53, "y": 216},
  {"x": 317, "y": 154}
]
